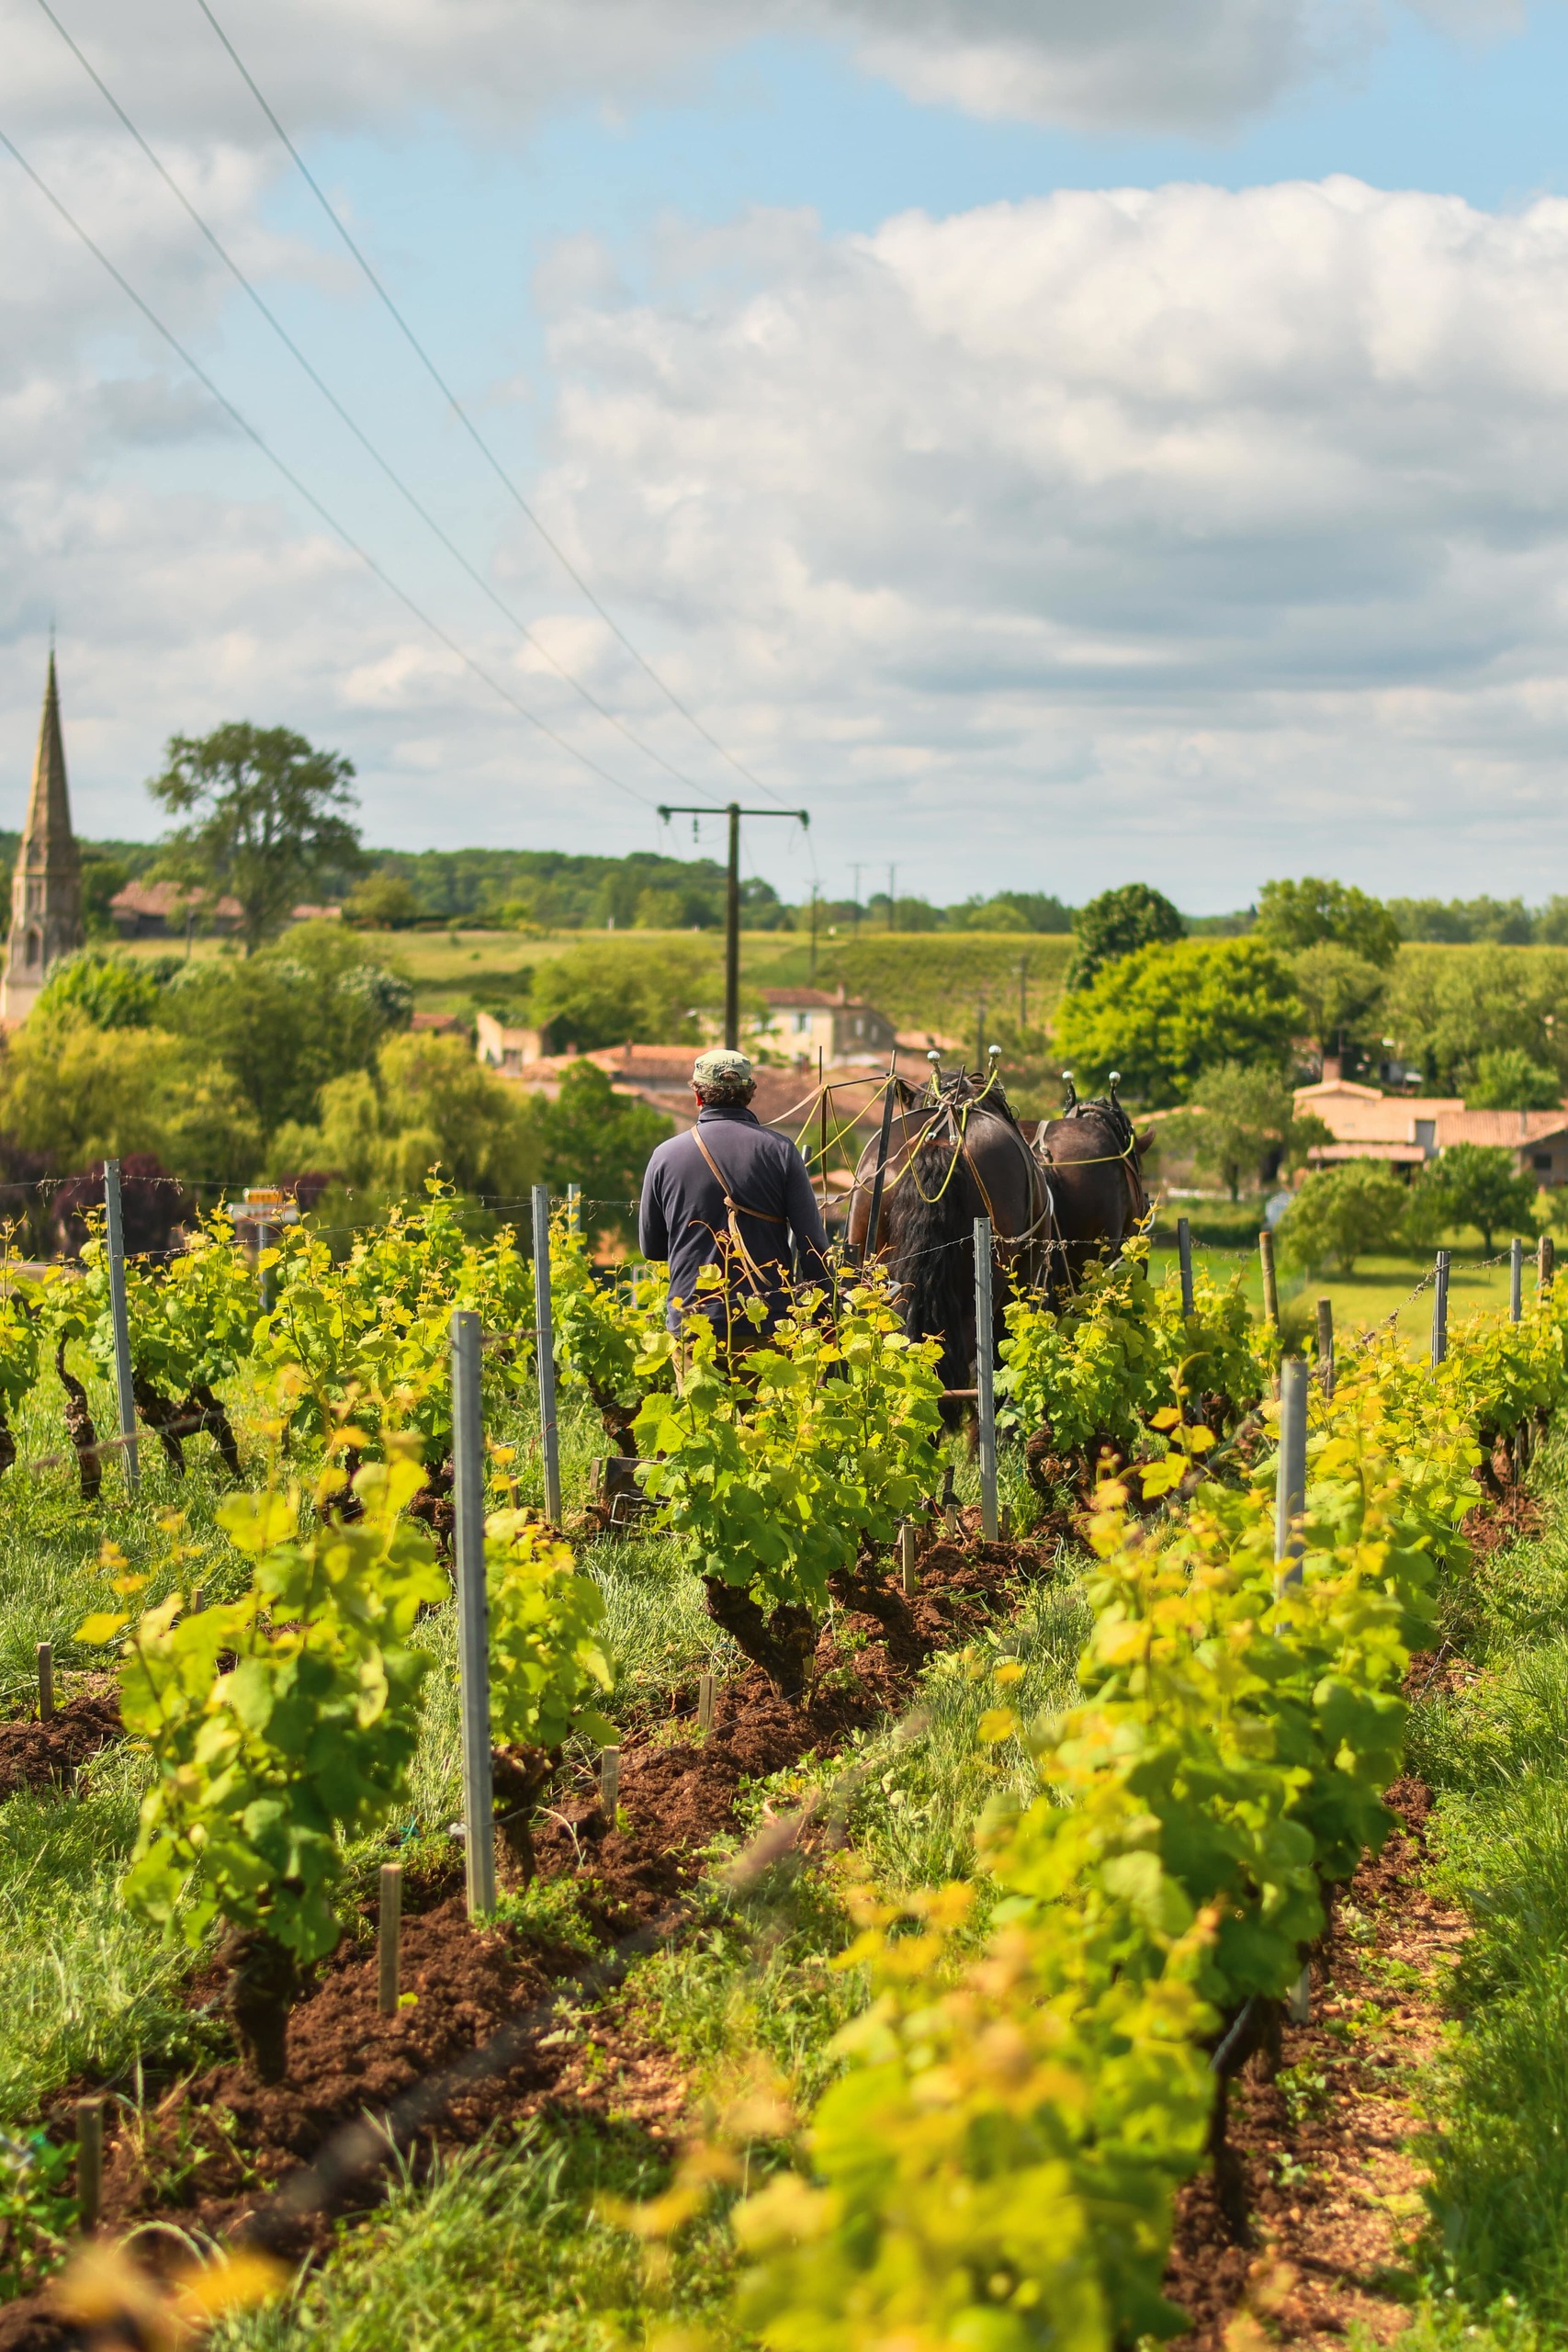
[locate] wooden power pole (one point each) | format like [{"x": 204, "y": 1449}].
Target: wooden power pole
[{"x": 734, "y": 812}]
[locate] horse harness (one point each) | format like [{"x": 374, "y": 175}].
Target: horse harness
[{"x": 1008, "y": 1247}]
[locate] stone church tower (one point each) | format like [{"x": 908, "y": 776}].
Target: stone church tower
[{"x": 46, "y": 889}]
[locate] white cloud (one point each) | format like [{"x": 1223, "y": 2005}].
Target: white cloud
[
  {"x": 1194, "y": 65},
  {"x": 1172, "y": 530},
  {"x": 1232, "y": 526}
]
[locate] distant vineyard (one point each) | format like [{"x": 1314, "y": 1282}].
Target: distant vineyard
[{"x": 936, "y": 980}]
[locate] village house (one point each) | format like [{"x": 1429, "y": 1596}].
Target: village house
[
  {"x": 803, "y": 1023},
  {"x": 1406, "y": 1131}
]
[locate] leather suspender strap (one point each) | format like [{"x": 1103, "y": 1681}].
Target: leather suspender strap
[{"x": 734, "y": 1210}]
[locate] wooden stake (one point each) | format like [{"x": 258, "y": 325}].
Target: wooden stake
[
  {"x": 609, "y": 1782},
  {"x": 89, "y": 2162},
  {"x": 909, "y": 1575},
  {"x": 1271, "y": 1285},
  {"x": 1545, "y": 1260},
  {"x": 1299, "y": 2000},
  {"x": 705, "y": 1703},
  {"x": 1325, "y": 1344},
  {"x": 1184, "y": 1253},
  {"x": 388, "y": 1948},
  {"x": 46, "y": 1682},
  {"x": 1515, "y": 1279}
]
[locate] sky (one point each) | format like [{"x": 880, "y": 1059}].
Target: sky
[{"x": 1055, "y": 442}]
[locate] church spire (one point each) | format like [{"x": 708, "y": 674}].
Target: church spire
[
  {"x": 46, "y": 889},
  {"x": 49, "y": 809}
]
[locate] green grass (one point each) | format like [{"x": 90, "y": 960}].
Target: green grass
[
  {"x": 1498, "y": 1754},
  {"x": 1224, "y": 1240},
  {"x": 84, "y": 1990},
  {"x": 506, "y": 2247}
]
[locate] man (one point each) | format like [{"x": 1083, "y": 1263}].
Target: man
[{"x": 729, "y": 1194}]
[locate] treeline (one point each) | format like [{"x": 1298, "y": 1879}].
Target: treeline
[{"x": 298, "y": 1061}]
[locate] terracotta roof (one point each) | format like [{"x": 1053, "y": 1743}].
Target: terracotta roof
[
  {"x": 441, "y": 1025},
  {"x": 1515, "y": 1129},
  {"x": 168, "y": 899},
  {"x": 649, "y": 1063},
  {"x": 810, "y": 999}
]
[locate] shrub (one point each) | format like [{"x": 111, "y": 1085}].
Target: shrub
[
  {"x": 1474, "y": 1183},
  {"x": 108, "y": 991},
  {"x": 1341, "y": 1215}
]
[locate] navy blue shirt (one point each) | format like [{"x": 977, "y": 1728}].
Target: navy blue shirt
[{"x": 682, "y": 1217}]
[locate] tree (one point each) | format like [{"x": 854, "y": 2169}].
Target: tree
[
  {"x": 595, "y": 995},
  {"x": 73, "y": 1093},
  {"x": 1117, "y": 924},
  {"x": 108, "y": 991},
  {"x": 1342, "y": 1213},
  {"x": 381, "y": 902},
  {"x": 592, "y": 1137},
  {"x": 1243, "y": 1115},
  {"x": 1341, "y": 993},
  {"x": 426, "y": 1103},
  {"x": 1479, "y": 1184},
  {"x": 101, "y": 879},
  {"x": 1169, "y": 1011},
  {"x": 267, "y": 823},
  {"x": 305, "y": 1011},
  {"x": 1506, "y": 1079},
  {"x": 1449, "y": 1011},
  {"x": 1293, "y": 915}
]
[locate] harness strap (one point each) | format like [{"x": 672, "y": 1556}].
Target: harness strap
[{"x": 734, "y": 1211}]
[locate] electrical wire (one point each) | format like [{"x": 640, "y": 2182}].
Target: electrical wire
[
  {"x": 302, "y": 490},
  {"x": 470, "y": 427},
  {"x": 399, "y": 484}
]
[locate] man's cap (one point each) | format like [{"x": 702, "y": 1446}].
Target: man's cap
[{"x": 722, "y": 1067}]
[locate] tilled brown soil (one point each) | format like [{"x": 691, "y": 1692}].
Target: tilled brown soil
[
  {"x": 232, "y": 2157},
  {"x": 1332, "y": 2185},
  {"x": 34, "y": 1755}
]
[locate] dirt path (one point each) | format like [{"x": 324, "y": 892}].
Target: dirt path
[{"x": 1334, "y": 2187}]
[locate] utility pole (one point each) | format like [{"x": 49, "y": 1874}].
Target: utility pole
[
  {"x": 856, "y": 871},
  {"x": 734, "y": 812},
  {"x": 892, "y": 896},
  {"x": 813, "y": 972}
]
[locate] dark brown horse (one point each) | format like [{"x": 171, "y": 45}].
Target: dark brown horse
[
  {"x": 956, "y": 1153},
  {"x": 1091, "y": 1156}
]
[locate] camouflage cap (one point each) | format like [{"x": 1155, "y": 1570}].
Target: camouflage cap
[{"x": 721, "y": 1067}]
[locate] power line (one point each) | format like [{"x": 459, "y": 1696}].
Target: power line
[
  {"x": 308, "y": 495},
  {"x": 470, "y": 427},
  {"x": 275, "y": 323}
]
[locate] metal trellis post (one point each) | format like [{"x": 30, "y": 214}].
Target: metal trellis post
[
  {"x": 473, "y": 1612},
  {"x": 1184, "y": 1252},
  {"x": 124, "y": 1394},
  {"x": 1515, "y": 1279},
  {"x": 985, "y": 1391},
  {"x": 1440, "y": 1310},
  {"x": 1290, "y": 1493},
  {"x": 549, "y": 1435}
]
